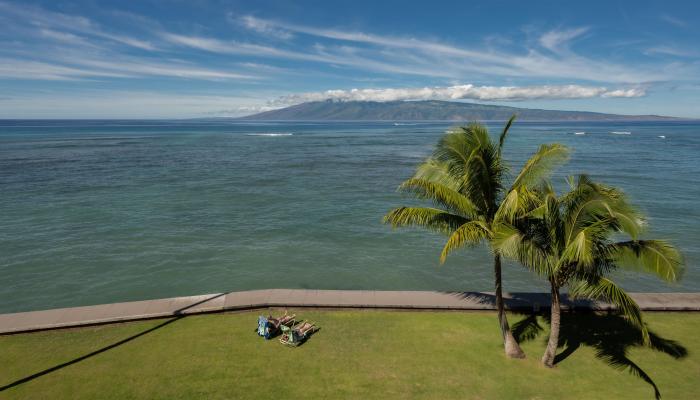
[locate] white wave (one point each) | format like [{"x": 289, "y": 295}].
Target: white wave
[
  {"x": 403, "y": 124},
  {"x": 269, "y": 134},
  {"x": 579, "y": 133},
  {"x": 662, "y": 136},
  {"x": 621, "y": 132}
]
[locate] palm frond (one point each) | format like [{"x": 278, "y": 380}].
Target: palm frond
[
  {"x": 541, "y": 165},
  {"x": 583, "y": 249},
  {"x": 468, "y": 155},
  {"x": 627, "y": 220},
  {"x": 478, "y": 135},
  {"x": 469, "y": 234},
  {"x": 441, "y": 195},
  {"x": 517, "y": 203},
  {"x": 548, "y": 204},
  {"x": 457, "y": 145},
  {"x": 429, "y": 218},
  {"x": 484, "y": 183},
  {"x": 435, "y": 171},
  {"x": 502, "y": 138},
  {"x": 651, "y": 256},
  {"x": 516, "y": 245},
  {"x": 625, "y": 216},
  {"x": 589, "y": 204}
]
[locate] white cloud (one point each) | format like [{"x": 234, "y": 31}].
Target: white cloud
[
  {"x": 379, "y": 40},
  {"x": 431, "y": 58},
  {"x": 262, "y": 26},
  {"x": 674, "y": 21},
  {"x": 122, "y": 104},
  {"x": 70, "y": 47},
  {"x": 23, "y": 69},
  {"x": 133, "y": 42},
  {"x": 85, "y": 68},
  {"x": 335, "y": 48},
  {"x": 555, "y": 40},
  {"x": 65, "y": 37},
  {"x": 231, "y": 47},
  {"x": 631, "y": 92},
  {"x": 462, "y": 92},
  {"x": 179, "y": 70},
  {"x": 671, "y": 51},
  {"x": 44, "y": 19},
  {"x": 342, "y": 56},
  {"x": 240, "y": 110}
]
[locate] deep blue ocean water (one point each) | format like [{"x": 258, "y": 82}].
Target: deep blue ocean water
[{"x": 104, "y": 211}]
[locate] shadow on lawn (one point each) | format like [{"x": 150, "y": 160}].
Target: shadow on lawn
[
  {"x": 178, "y": 315},
  {"x": 523, "y": 301},
  {"x": 610, "y": 335}
]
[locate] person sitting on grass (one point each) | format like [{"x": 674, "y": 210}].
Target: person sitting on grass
[
  {"x": 268, "y": 327},
  {"x": 298, "y": 334}
]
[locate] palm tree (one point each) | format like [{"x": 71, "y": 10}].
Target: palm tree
[
  {"x": 569, "y": 240},
  {"x": 464, "y": 178}
]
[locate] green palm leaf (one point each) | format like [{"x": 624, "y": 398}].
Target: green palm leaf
[
  {"x": 468, "y": 155},
  {"x": 651, "y": 256},
  {"x": 440, "y": 194},
  {"x": 582, "y": 248},
  {"x": 469, "y": 234},
  {"x": 541, "y": 165},
  {"x": 439, "y": 172},
  {"x": 502, "y": 138},
  {"x": 517, "y": 203},
  {"x": 430, "y": 218},
  {"x": 512, "y": 243}
]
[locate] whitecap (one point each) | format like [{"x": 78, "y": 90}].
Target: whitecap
[
  {"x": 403, "y": 124},
  {"x": 269, "y": 134},
  {"x": 579, "y": 133},
  {"x": 662, "y": 136},
  {"x": 621, "y": 132}
]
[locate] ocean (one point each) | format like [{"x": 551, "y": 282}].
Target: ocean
[{"x": 105, "y": 211}]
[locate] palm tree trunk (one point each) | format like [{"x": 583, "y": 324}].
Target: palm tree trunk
[
  {"x": 553, "y": 343},
  {"x": 512, "y": 348}
]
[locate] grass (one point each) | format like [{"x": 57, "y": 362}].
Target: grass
[{"x": 357, "y": 354}]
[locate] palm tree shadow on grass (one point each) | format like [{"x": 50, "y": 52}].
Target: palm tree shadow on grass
[
  {"x": 176, "y": 316},
  {"x": 610, "y": 335},
  {"x": 88, "y": 355}
]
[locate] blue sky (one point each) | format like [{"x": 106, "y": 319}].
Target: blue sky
[{"x": 180, "y": 59}]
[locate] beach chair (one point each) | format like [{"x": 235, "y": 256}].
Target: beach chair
[
  {"x": 298, "y": 334},
  {"x": 268, "y": 326}
]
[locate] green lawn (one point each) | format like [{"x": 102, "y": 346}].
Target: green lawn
[{"x": 357, "y": 354}]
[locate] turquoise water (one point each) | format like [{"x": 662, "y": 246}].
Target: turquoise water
[{"x": 94, "y": 212}]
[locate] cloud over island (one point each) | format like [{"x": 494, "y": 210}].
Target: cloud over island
[{"x": 463, "y": 92}]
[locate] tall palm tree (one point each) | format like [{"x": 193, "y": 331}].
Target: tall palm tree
[
  {"x": 570, "y": 241},
  {"x": 464, "y": 178}
]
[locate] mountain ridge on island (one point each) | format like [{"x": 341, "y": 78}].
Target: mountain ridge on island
[{"x": 430, "y": 110}]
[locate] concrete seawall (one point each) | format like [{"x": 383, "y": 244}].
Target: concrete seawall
[{"x": 296, "y": 298}]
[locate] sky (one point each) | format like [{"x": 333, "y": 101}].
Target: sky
[{"x": 197, "y": 58}]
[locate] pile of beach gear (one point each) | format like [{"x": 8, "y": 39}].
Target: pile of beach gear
[{"x": 293, "y": 332}]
